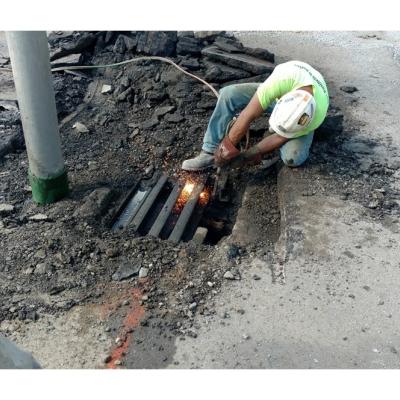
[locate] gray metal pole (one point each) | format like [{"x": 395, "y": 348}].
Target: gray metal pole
[{"x": 30, "y": 62}]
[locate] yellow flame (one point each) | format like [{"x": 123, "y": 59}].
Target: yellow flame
[
  {"x": 187, "y": 189},
  {"x": 184, "y": 196}
]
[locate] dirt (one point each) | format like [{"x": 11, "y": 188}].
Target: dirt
[{"x": 50, "y": 267}]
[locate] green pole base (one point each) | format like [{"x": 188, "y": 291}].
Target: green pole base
[{"x": 49, "y": 190}]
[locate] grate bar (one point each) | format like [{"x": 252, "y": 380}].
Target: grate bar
[
  {"x": 166, "y": 210},
  {"x": 144, "y": 209},
  {"x": 130, "y": 210},
  {"x": 186, "y": 213}
]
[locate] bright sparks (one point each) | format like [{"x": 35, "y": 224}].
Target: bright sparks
[
  {"x": 204, "y": 197},
  {"x": 185, "y": 195}
]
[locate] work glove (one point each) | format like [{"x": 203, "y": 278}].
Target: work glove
[
  {"x": 247, "y": 158},
  {"x": 225, "y": 152}
]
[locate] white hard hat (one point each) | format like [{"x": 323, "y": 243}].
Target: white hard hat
[{"x": 293, "y": 113}]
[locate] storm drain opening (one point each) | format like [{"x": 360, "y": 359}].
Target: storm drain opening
[
  {"x": 219, "y": 216},
  {"x": 198, "y": 208}
]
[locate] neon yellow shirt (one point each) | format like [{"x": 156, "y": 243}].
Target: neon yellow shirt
[{"x": 290, "y": 76}]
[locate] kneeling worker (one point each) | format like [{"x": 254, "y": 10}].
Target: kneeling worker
[{"x": 302, "y": 101}]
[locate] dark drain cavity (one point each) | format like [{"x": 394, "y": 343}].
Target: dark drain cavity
[
  {"x": 220, "y": 214},
  {"x": 183, "y": 210}
]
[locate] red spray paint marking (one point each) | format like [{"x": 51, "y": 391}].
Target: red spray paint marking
[{"x": 131, "y": 321}]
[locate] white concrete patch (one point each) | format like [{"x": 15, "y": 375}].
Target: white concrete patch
[{"x": 75, "y": 339}]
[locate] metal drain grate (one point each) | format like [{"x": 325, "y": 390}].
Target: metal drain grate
[{"x": 164, "y": 208}]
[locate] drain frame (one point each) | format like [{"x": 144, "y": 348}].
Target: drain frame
[{"x": 164, "y": 208}]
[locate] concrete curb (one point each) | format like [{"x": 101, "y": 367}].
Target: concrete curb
[{"x": 290, "y": 187}]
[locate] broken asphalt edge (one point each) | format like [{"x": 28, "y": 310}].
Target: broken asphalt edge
[{"x": 289, "y": 188}]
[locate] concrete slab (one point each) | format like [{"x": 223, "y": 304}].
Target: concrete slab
[
  {"x": 67, "y": 61},
  {"x": 337, "y": 309},
  {"x": 224, "y": 73}
]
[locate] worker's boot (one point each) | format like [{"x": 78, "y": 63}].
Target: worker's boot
[{"x": 203, "y": 161}]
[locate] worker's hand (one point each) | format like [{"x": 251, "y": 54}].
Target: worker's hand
[
  {"x": 225, "y": 152},
  {"x": 247, "y": 158}
]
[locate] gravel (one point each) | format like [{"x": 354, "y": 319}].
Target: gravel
[
  {"x": 6, "y": 209},
  {"x": 228, "y": 275},
  {"x": 143, "y": 272},
  {"x": 80, "y": 128},
  {"x": 39, "y": 217}
]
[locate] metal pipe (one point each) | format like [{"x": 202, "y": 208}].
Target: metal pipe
[{"x": 30, "y": 62}]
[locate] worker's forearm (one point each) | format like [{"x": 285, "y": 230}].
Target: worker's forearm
[
  {"x": 252, "y": 111},
  {"x": 238, "y": 130},
  {"x": 270, "y": 143}
]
